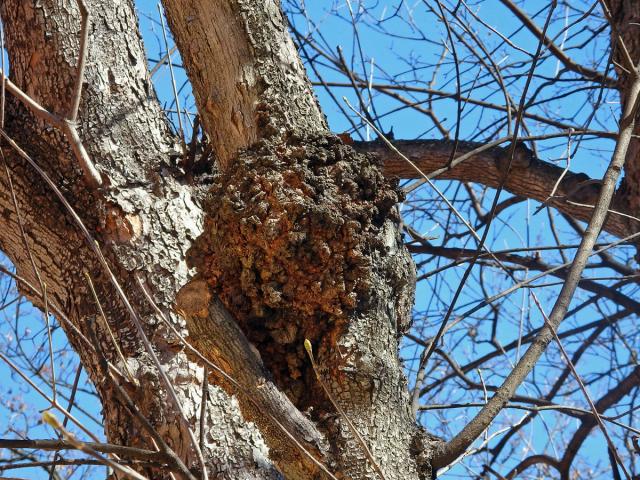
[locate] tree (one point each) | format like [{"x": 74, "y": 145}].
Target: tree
[{"x": 264, "y": 262}]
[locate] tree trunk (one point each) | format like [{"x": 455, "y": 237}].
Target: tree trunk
[
  {"x": 144, "y": 219},
  {"x": 298, "y": 237}
]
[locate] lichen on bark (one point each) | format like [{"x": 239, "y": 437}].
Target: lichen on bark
[{"x": 289, "y": 243}]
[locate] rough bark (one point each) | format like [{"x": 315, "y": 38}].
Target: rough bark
[
  {"x": 148, "y": 214},
  {"x": 302, "y": 242},
  {"x": 144, "y": 219}
]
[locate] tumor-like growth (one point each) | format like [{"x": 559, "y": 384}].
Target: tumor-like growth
[{"x": 289, "y": 241}]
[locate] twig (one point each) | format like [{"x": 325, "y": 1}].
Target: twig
[
  {"x": 82, "y": 60},
  {"x": 52, "y": 421},
  {"x": 481, "y": 245},
  {"x": 582, "y": 386},
  {"x": 566, "y": 61},
  {"x": 203, "y": 406},
  {"x": 62, "y": 410},
  {"x": 48, "y": 444},
  {"x": 550, "y": 271},
  {"x": 105, "y": 324},
  {"x": 36, "y": 272},
  {"x": 173, "y": 82},
  {"x": 162, "y": 61},
  {"x": 24, "y": 283},
  {"x": 476, "y": 426},
  {"x": 354, "y": 430},
  {"x": 560, "y": 178},
  {"x": 91, "y": 174},
  {"x": 72, "y": 399},
  {"x": 67, "y": 128}
]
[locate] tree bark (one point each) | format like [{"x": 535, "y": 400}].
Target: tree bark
[
  {"x": 144, "y": 219},
  {"x": 148, "y": 214}
]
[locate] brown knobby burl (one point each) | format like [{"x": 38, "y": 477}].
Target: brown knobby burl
[{"x": 289, "y": 248}]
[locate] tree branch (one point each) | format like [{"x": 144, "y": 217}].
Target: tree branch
[
  {"x": 569, "y": 63},
  {"x": 130, "y": 218},
  {"x": 483, "y": 419},
  {"x": 255, "y": 84},
  {"x": 531, "y": 263},
  {"x": 529, "y": 177},
  {"x": 622, "y": 388},
  {"x": 121, "y": 450}
]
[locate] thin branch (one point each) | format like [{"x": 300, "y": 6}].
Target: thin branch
[
  {"x": 566, "y": 61},
  {"x": 173, "y": 81},
  {"x": 56, "y": 445},
  {"x": 36, "y": 272},
  {"x": 481, "y": 421},
  {"x": 72, "y": 400},
  {"x": 82, "y": 60},
  {"x": 51, "y": 420},
  {"x": 594, "y": 410},
  {"x": 203, "y": 407}
]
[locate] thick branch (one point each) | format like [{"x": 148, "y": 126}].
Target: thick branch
[
  {"x": 624, "y": 19},
  {"x": 529, "y": 177},
  {"x": 246, "y": 75}
]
